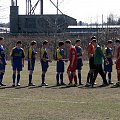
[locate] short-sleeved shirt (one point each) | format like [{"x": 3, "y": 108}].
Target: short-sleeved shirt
[
  {"x": 31, "y": 54},
  {"x": 60, "y": 54},
  {"x": 91, "y": 49},
  {"x": 44, "y": 54},
  {"x": 108, "y": 55},
  {"x": 73, "y": 52},
  {"x": 2, "y": 55},
  {"x": 17, "y": 55}
]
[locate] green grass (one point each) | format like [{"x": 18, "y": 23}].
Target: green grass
[{"x": 57, "y": 103}]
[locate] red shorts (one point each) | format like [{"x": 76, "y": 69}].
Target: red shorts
[
  {"x": 118, "y": 64},
  {"x": 71, "y": 69}
]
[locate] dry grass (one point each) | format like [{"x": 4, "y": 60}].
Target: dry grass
[{"x": 57, "y": 103}]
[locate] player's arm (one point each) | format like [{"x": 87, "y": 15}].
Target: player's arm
[
  {"x": 30, "y": 57},
  {"x": 11, "y": 55},
  {"x": 89, "y": 51},
  {"x": 23, "y": 58},
  {"x": 73, "y": 58}
]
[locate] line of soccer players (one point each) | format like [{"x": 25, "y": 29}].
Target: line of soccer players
[{"x": 95, "y": 55}]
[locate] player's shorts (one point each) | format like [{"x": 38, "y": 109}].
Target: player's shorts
[
  {"x": 118, "y": 64},
  {"x": 108, "y": 67},
  {"x": 71, "y": 69},
  {"x": 32, "y": 66},
  {"x": 2, "y": 67},
  {"x": 44, "y": 66},
  {"x": 60, "y": 66},
  {"x": 17, "y": 67},
  {"x": 91, "y": 63},
  {"x": 79, "y": 64}
]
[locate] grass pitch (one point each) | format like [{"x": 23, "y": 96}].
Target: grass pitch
[{"x": 57, "y": 103}]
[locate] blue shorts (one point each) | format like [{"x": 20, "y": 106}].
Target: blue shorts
[
  {"x": 2, "y": 67},
  {"x": 17, "y": 67},
  {"x": 44, "y": 66},
  {"x": 60, "y": 66},
  {"x": 79, "y": 64},
  {"x": 108, "y": 67},
  {"x": 31, "y": 67}
]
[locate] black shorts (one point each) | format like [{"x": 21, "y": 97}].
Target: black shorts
[{"x": 91, "y": 63}]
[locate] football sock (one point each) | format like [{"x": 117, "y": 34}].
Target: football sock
[
  {"x": 118, "y": 77},
  {"x": 57, "y": 78},
  {"x": 79, "y": 76},
  {"x": 14, "y": 77},
  {"x": 18, "y": 78},
  {"x": 43, "y": 78},
  {"x": 88, "y": 78},
  {"x": 70, "y": 78},
  {"x": 91, "y": 78},
  {"x": 75, "y": 79},
  {"x": 1, "y": 78},
  {"x": 30, "y": 78},
  {"x": 61, "y": 77},
  {"x": 109, "y": 77}
]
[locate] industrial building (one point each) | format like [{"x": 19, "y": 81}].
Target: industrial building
[{"x": 42, "y": 23}]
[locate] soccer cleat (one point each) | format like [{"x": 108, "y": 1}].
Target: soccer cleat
[
  {"x": 104, "y": 85},
  {"x": 63, "y": 83},
  {"x": 18, "y": 84},
  {"x": 70, "y": 84},
  {"x": 75, "y": 85},
  {"x": 87, "y": 84},
  {"x": 44, "y": 84},
  {"x": 116, "y": 85},
  {"x": 13, "y": 85},
  {"x": 31, "y": 84},
  {"x": 57, "y": 84},
  {"x": 111, "y": 83},
  {"x": 2, "y": 84}
]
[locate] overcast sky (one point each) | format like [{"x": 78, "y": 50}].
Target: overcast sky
[{"x": 82, "y": 10}]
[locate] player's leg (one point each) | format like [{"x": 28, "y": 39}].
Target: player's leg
[
  {"x": 14, "y": 77},
  {"x": 57, "y": 78},
  {"x": 30, "y": 78},
  {"x": 18, "y": 77},
  {"x": 101, "y": 72},
  {"x": 70, "y": 77},
  {"x": 2, "y": 72},
  {"x": 79, "y": 77},
  {"x": 61, "y": 78}
]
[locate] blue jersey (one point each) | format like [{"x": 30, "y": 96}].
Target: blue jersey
[
  {"x": 60, "y": 61},
  {"x": 31, "y": 54},
  {"x": 108, "y": 56},
  {"x": 79, "y": 59},
  {"x": 43, "y": 59},
  {"x": 2, "y": 55},
  {"x": 17, "y": 55},
  {"x": 108, "y": 59},
  {"x": 60, "y": 54},
  {"x": 31, "y": 58}
]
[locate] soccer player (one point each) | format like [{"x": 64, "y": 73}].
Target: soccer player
[
  {"x": 91, "y": 49},
  {"x": 98, "y": 57},
  {"x": 117, "y": 62},
  {"x": 72, "y": 64},
  {"x": 79, "y": 59},
  {"x": 2, "y": 61},
  {"x": 60, "y": 64},
  {"x": 31, "y": 61},
  {"x": 17, "y": 60},
  {"x": 44, "y": 59},
  {"x": 108, "y": 60}
]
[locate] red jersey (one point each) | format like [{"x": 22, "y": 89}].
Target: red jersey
[
  {"x": 118, "y": 52},
  {"x": 73, "y": 52},
  {"x": 118, "y": 59},
  {"x": 91, "y": 49}
]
